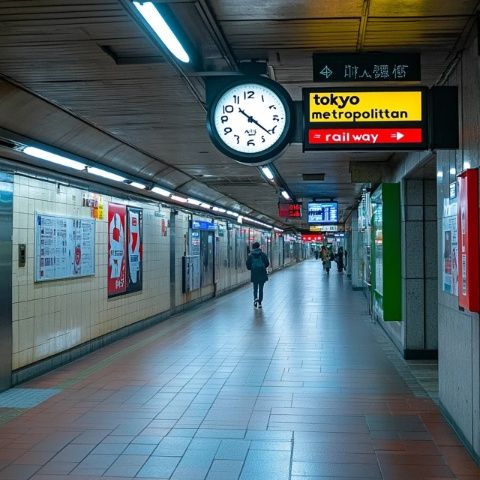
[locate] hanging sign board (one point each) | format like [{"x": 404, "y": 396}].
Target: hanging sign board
[
  {"x": 290, "y": 210},
  {"x": 366, "y": 67},
  {"x": 365, "y": 119}
]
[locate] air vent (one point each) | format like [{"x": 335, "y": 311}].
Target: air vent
[{"x": 313, "y": 177}]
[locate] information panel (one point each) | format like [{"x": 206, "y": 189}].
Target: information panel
[
  {"x": 365, "y": 119},
  {"x": 290, "y": 210},
  {"x": 323, "y": 212},
  {"x": 64, "y": 247}
]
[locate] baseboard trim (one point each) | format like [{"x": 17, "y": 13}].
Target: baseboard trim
[
  {"x": 468, "y": 446},
  {"x": 409, "y": 354}
]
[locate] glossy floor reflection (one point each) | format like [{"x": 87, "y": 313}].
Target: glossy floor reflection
[{"x": 301, "y": 389}]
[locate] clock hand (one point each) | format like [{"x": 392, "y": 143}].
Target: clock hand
[{"x": 252, "y": 120}]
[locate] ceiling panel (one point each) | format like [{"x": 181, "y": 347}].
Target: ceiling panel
[{"x": 146, "y": 118}]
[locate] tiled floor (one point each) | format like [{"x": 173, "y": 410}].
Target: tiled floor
[{"x": 300, "y": 390}]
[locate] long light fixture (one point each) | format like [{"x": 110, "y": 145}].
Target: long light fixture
[
  {"x": 161, "y": 191},
  {"x": 267, "y": 172},
  {"x": 105, "y": 174},
  {"x": 54, "y": 158},
  {"x": 206, "y": 205},
  {"x": 158, "y": 24},
  {"x": 285, "y": 195},
  {"x": 177, "y": 198},
  {"x": 141, "y": 186},
  {"x": 193, "y": 201}
]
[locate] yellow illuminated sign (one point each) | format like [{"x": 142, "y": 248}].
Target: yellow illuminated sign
[{"x": 373, "y": 106}]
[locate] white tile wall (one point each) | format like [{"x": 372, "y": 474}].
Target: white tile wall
[{"x": 49, "y": 317}]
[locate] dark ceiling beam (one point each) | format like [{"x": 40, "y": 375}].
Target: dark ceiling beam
[{"x": 362, "y": 31}]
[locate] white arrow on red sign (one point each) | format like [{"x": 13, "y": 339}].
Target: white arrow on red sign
[{"x": 397, "y": 135}]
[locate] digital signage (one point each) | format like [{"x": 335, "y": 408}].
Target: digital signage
[
  {"x": 365, "y": 119},
  {"x": 323, "y": 212},
  {"x": 290, "y": 210}
]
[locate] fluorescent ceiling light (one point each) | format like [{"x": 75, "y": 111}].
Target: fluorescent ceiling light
[
  {"x": 233, "y": 214},
  {"x": 161, "y": 191},
  {"x": 153, "y": 17},
  {"x": 52, "y": 157},
  {"x": 218, "y": 209},
  {"x": 205, "y": 205},
  {"x": 193, "y": 201},
  {"x": 103, "y": 173},
  {"x": 466, "y": 165},
  {"x": 177, "y": 198},
  {"x": 267, "y": 172},
  {"x": 285, "y": 195},
  {"x": 453, "y": 171},
  {"x": 440, "y": 174},
  {"x": 138, "y": 185},
  {"x": 277, "y": 229}
]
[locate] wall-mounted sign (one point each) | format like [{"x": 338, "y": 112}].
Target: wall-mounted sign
[
  {"x": 290, "y": 210},
  {"x": 365, "y": 119},
  {"x": 117, "y": 250},
  {"x": 203, "y": 225},
  {"x": 135, "y": 249},
  {"x": 366, "y": 67},
  {"x": 64, "y": 247}
]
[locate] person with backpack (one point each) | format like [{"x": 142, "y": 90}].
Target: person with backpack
[{"x": 257, "y": 263}]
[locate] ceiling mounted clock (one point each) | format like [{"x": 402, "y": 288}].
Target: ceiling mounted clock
[{"x": 251, "y": 120}]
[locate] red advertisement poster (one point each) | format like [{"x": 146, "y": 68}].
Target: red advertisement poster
[
  {"x": 117, "y": 250},
  {"x": 135, "y": 249}
]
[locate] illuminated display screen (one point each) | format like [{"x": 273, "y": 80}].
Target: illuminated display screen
[{"x": 323, "y": 212}]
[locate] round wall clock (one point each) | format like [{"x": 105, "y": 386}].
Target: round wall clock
[{"x": 251, "y": 120}]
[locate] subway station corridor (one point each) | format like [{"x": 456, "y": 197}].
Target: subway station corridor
[{"x": 302, "y": 389}]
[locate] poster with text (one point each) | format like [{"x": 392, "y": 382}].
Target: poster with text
[
  {"x": 64, "y": 247},
  {"x": 117, "y": 251},
  {"x": 450, "y": 248},
  {"x": 135, "y": 249}
]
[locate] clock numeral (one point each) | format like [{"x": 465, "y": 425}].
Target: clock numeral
[
  {"x": 275, "y": 118},
  {"x": 272, "y": 106},
  {"x": 228, "y": 109},
  {"x": 248, "y": 94},
  {"x": 236, "y": 99},
  {"x": 251, "y": 143},
  {"x": 224, "y": 118},
  {"x": 263, "y": 99},
  {"x": 263, "y": 139},
  {"x": 238, "y": 138},
  {"x": 272, "y": 131},
  {"x": 227, "y": 130}
]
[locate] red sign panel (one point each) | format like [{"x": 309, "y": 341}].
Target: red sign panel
[
  {"x": 117, "y": 249},
  {"x": 312, "y": 238},
  {"x": 468, "y": 241},
  {"x": 290, "y": 210},
  {"x": 364, "y": 136}
]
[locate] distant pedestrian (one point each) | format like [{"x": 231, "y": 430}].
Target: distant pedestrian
[
  {"x": 257, "y": 263},
  {"x": 326, "y": 259},
  {"x": 339, "y": 259}
]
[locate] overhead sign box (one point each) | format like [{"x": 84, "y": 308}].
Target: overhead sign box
[
  {"x": 312, "y": 237},
  {"x": 324, "y": 228},
  {"x": 365, "y": 119},
  {"x": 366, "y": 67},
  {"x": 290, "y": 210},
  {"x": 323, "y": 212}
]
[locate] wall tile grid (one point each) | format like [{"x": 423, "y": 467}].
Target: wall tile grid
[{"x": 50, "y": 317}]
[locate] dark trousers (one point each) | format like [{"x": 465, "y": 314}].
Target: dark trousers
[{"x": 258, "y": 291}]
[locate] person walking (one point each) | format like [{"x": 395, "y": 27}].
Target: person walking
[
  {"x": 339, "y": 259},
  {"x": 326, "y": 259},
  {"x": 257, "y": 263}
]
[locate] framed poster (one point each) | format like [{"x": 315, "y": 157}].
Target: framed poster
[
  {"x": 117, "y": 251},
  {"x": 64, "y": 247},
  {"x": 135, "y": 249}
]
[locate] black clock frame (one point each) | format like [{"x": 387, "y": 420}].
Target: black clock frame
[{"x": 266, "y": 156}]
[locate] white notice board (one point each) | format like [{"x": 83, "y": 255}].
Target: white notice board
[{"x": 64, "y": 247}]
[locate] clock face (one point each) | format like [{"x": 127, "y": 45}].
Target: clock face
[{"x": 250, "y": 120}]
